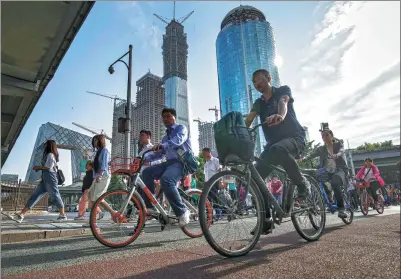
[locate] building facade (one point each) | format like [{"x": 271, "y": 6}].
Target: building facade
[
  {"x": 307, "y": 138},
  {"x": 149, "y": 106},
  {"x": 206, "y": 136},
  {"x": 244, "y": 44},
  {"x": 175, "y": 54},
  {"x": 117, "y": 139},
  {"x": 79, "y": 144}
]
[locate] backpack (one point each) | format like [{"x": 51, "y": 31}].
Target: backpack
[
  {"x": 233, "y": 138},
  {"x": 60, "y": 176}
]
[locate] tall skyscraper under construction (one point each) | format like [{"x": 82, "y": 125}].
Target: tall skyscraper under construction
[
  {"x": 117, "y": 139},
  {"x": 206, "y": 136},
  {"x": 175, "y": 54},
  {"x": 149, "y": 105}
]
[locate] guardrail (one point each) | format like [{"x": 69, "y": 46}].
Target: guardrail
[{"x": 15, "y": 194}]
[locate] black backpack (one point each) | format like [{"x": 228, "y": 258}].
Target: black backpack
[{"x": 233, "y": 138}]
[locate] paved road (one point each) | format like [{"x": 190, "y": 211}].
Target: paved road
[{"x": 364, "y": 249}]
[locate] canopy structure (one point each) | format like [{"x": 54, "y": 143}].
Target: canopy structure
[{"x": 34, "y": 39}]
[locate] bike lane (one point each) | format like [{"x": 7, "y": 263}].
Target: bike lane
[{"x": 368, "y": 248}]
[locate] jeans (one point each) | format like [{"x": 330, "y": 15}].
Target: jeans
[
  {"x": 48, "y": 184},
  {"x": 169, "y": 173},
  {"x": 279, "y": 198},
  {"x": 338, "y": 180}
]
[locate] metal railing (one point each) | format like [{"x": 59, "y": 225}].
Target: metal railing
[{"x": 15, "y": 194}]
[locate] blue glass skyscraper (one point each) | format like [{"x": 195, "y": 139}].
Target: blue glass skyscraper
[{"x": 245, "y": 44}]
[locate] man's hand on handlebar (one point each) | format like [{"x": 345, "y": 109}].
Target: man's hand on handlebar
[{"x": 273, "y": 120}]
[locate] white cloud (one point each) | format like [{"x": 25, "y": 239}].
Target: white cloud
[
  {"x": 351, "y": 75},
  {"x": 142, "y": 23}
]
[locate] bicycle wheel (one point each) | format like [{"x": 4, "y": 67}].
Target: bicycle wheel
[
  {"x": 193, "y": 229},
  {"x": 313, "y": 206},
  {"x": 364, "y": 203},
  {"x": 121, "y": 228},
  {"x": 235, "y": 211},
  {"x": 348, "y": 210},
  {"x": 380, "y": 204}
]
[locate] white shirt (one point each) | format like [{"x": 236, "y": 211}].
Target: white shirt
[
  {"x": 144, "y": 149},
  {"x": 51, "y": 162},
  {"x": 370, "y": 175},
  {"x": 211, "y": 167}
]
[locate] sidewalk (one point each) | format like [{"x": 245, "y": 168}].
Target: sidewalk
[{"x": 34, "y": 229}]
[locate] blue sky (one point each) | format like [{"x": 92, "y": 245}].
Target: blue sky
[{"x": 337, "y": 58}]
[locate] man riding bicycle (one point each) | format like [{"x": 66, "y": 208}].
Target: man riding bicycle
[
  {"x": 284, "y": 135},
  {"x": 170, "y": 172},
  {"x": 332, "y": 166}
]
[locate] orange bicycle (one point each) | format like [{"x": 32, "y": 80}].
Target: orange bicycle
[
  {"x": 367, "y": 200},
  {"x": 129, "y": 216}
]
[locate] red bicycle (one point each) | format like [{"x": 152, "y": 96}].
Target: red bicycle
[
  {"x": 129, "y": 211},
  {"x": 367, "y": 200}
]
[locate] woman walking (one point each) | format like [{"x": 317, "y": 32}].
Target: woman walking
[{"x": 48, "y": 184}]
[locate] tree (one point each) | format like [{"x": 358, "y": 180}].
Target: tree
[
  {"x": 311, "y": 163},
  {"x": 116, "y": 183},
  {"x": 373, "y": 146},
  {"x": 200, "y": 176}
]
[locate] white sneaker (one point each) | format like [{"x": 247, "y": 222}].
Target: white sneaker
[
  {"x": 16, "y": 217},
  {"x": 101, "y": 215},
  {"x": 62, "y": 218},
  {"x": 79, "y": 218},
  {"x": 184, "y": 219}
]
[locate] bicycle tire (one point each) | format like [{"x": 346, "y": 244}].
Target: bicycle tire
[
  {"x": 364, "y": 203},
  {"x": 138, "y": 202},
  {"x": 320, "y": 229},
  {"x": 204, "y": 219},
  {"x": 380, "y": 204},
  {"x": 351, "y": 212},
  {"x": 208, "y": 208}
]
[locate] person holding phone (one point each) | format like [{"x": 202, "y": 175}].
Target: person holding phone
[{"x": 284, "y": 135}]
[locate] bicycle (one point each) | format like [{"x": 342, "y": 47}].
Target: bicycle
[
  {"x": 367, "y": 200},
  {"x": 245, "y": 173},
  {"x": 332, "y": 207},
  {"x": 131, "y": 226}
]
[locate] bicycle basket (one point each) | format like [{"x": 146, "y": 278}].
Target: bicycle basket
[
  {"x": 362, "y": 185},
  {"x": 125, "y": 166},
  {"x": 233, "y": 138}
]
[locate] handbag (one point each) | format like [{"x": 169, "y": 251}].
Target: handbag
[
  {"x": 190, "y": 162},
  {"x": 60, "y": 176}
]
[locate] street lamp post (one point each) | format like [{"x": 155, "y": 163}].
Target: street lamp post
[{"x": 128, "y": 112}]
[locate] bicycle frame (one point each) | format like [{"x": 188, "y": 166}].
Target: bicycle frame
[
  {"x": 330, "y": 206},
  {"x": 137, "y": 182}
]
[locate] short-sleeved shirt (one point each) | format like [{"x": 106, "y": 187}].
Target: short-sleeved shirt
[
  {"x": 290, "y": 127},
  {"x": 50, "y": 162},
  {"x": 211, "y": 167}
]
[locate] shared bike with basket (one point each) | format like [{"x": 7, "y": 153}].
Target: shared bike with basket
[
  {"x": 367, "y": 200},
  {"x": 129, "y": 211},
  {"x": 240, "y": 241}
]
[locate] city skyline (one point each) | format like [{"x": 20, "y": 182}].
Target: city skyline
[{"x": 322, "y": 53}]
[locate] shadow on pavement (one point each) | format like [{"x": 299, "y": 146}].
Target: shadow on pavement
[
  {"x": 202, "y": 268},
  {"x": 48, "y": 257}
]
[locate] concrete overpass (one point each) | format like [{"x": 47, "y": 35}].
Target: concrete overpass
[{"x": 34, "y": 39}]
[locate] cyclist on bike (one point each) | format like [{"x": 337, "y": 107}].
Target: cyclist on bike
[
  {"x": 175, "y": 142},
  {"x": 370, "y": 173},
  {"x": 284, "y": 135},
  {"x": 332, "y": 164}
]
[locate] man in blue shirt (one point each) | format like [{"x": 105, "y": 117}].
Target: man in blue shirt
[
  {"x": 173, "y": 145},
  {"x": 284, "y": 135}
]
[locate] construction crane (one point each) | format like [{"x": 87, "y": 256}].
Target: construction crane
[
  {"x": 91, "y": 131},
  {"x": 180, "y": 20},
  {"x": 216, "y": 112},
  {"x": 113, "y": 97},
  {"x": 198, "y": 120}
]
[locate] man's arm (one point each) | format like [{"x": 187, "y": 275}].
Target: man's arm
[
  {"x": 178, "y": 139},
  {"x": 252, "y": 114},
  {"x": 286, "y": 98},
  {"x": 249, "y": 119}
]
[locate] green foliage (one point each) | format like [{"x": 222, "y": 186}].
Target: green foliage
[
  {"x": 199, "y": 175},
  {"x": 312, "y": 163},
  {"x": 116, "y": 183},
  {"x": 373, "y": 146}
]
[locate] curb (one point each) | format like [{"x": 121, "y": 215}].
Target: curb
[{"x": 21, "y": 236}]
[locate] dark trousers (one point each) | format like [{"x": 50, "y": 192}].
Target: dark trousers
[
  {"x": 281, "y": 153},
  {"x": 374, "y": 186},
  {"x": 337, "y": 181}
]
